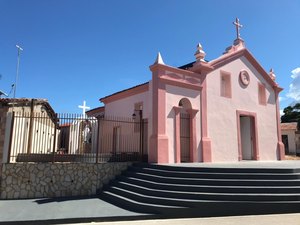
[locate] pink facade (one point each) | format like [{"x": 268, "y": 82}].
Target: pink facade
[{"x": 223, "y": 110}]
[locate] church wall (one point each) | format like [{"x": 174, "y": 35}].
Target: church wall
[
  {"x": 125, "y": 106},
  {"x": 173, "y": 95},
  {"x": 222, "y": 118},
  {"x": 150, "y": 118}
]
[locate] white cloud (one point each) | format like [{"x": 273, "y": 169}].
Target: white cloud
[
  {"x": 281, "y": 112},
  {"x": 281, "y": 99},
  {"x": 294, "y": 91}
]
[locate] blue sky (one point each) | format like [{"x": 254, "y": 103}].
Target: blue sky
[{"x": 77, "y": 50}]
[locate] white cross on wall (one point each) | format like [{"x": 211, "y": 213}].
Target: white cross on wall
[{"x": 84, "y": 108}]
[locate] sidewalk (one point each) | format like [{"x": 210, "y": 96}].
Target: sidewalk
[
  {"x": 93, "y": 211},
  {"x": 282, "y": 219}
]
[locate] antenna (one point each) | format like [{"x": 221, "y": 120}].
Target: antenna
[
  {"x": 11, "y": 89},
  {"x": 3, "y": 93},
  {"x": 18, "y": 47},
  {"x": 17, "y": 72}
]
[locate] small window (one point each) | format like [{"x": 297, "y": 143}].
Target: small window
[
  {"x": 262, "y": 99},
  {"x": 225, "y": 84}
]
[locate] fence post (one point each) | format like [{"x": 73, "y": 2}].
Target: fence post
[
  {"x": 141, "y": 134},
  {"x": 11, "y": 136},
  {"x": 98, "y": 138},
  {"x": 54, "y": 140},
  {"x": 30, "y": 127}
]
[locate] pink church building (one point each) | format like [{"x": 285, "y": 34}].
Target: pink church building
[{"x": 223, "y": 110}]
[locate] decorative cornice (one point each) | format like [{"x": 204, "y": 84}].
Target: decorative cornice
[
  {"x": 202, "y": 67},
  {"x": 173, "y": 69}
]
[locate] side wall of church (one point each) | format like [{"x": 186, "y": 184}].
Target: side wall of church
[
  {"x": 125, "y": 106},
  {"x": 222, "y": 112},
  {"x": 173, "y": 95}
]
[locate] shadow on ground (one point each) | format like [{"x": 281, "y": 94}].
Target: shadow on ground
[{"x": 211, "y": 209}]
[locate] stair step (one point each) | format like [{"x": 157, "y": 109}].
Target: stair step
[
  {"x": 137, "y": 166},
  {"x": 183, "y": 195},
  {"x": 206, "y": 208},
  {"x": 209, "y": 188},
  {"x": 218, "y": 175},
  {"x": 145, "y": 204},
  {"x": 196, "y": 191},
  {"x": 224, "y": 181}
]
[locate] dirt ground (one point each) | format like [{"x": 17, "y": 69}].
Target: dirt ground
[{"x": 292, "y": 157}]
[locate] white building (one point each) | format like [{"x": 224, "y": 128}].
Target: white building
[{"x": 290, "y": 138}]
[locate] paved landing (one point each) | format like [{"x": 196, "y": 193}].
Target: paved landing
[
  {"x": 287, "y": 219},
  {"x": 61, "y": 209},
  {"x": 245, "y": 164}
]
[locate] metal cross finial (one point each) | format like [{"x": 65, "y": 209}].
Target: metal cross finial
[{"x": 238, "y": 26}]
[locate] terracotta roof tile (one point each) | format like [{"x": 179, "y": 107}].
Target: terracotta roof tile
[{"x": 289, "y": 126}]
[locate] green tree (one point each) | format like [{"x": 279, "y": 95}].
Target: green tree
[{"x": 291, "y": 114}]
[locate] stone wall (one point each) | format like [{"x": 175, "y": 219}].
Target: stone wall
[{"x": 37, "y": 180}]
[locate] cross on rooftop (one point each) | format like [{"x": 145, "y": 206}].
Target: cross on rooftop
[
  {"x": 84, "y": 108},
  {"x": 238, "y": 26}
]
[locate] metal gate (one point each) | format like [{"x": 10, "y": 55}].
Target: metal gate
[
  {"x": 38, "y": 137},
  {"x": 185, "y": 137}
]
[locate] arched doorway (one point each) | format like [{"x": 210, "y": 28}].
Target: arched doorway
[
  {"x": 185, "y": 137},
  {"x": 185, "y": 130}
]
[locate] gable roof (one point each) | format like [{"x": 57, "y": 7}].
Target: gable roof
[
  {"x": 9, "y": 102},
  {"x": 126, "y": 93},
  {"x": 215, "y": 64},
  {"x": 229, "y": 57},
  {"x": 26, "y": 102},
  {"x": 96, "y": 112}
]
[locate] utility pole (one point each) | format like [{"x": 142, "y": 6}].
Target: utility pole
[{"x": 17, "y": 72}]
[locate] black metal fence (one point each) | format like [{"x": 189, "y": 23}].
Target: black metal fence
[{"x": 39, "y": 137}]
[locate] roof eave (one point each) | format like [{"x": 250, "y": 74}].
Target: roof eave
[{"x": 125, "y": 93}]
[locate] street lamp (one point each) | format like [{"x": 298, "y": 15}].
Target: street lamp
[
  {"x": 17, "y": 72},
  {"x": 133, "y": 116}
]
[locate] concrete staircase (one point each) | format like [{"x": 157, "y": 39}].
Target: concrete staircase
[{"x": 176, "y": 191}]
